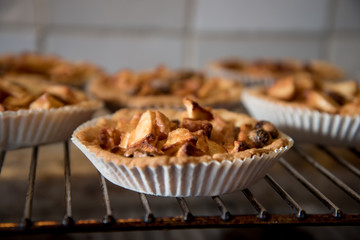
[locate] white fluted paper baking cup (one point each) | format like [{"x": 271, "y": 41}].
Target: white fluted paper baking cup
[
  {"x": 246, "y": 79},
  {"x": 306, "y": 125},
  {"x": 202, "y": 179},
  {"x": 26, "y": 128}
]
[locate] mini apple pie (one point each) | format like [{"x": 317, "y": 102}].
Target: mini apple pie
[
  {"x": 265, "y": 71},
  {"x": 49, "y": 67},
  {"x": 34, "y": 111},
  {"x": 310, "y": 110},
  {"x": 162, "y": 87},
  {"x": 196, "y": 152}
]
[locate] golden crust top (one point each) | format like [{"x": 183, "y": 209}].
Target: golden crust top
[
  {"x": 306, "y": 92},
  {"x": 279, "y": 67},
  {"x": 30, "y": 92},
  {"x": 141, "y": 138},
  {"x": 162, "y": 87},
  {"x": 49, "y": 67}
]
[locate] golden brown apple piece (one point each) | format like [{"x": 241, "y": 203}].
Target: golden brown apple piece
[
  {"x": 65, "y": 94},
  {"x": 208, "y": 88},
  {"x": 195, "y": 125},
  {"x": 187, "y": 87},
  {"x": 163, "y": 125},
  {"x": 195, "y": 111},
  {"x": 346, "y": 89},
  {"x": 207, "y": 146},
  {"x": 223, "y": 132},
  {"x": 189, "y": 149},
  {"x": 146, "y": 147},
  {"x": 109, "y": 138},
  {"x": 143, "y": 138},
  {"x": 322, "y": 102},
  {"x": 215, "y": 147},
  {"x": 325, "y": 70},
  {"x": 244, "y": 132},
  {"x": 176, "y": 139},
  {"x": 144, "y": 131},
  {"x": 16, "y": 103},
  {"x": 283, "y": 89},
  {"x": 126, "y": 127},
  {"x": 202, "y": 141},
  {"x": 304, "y": 82},
  {"x": 12, "y": 89},
  {"x": 126, "y": 81},
  {"x": 46, "y": 101}
]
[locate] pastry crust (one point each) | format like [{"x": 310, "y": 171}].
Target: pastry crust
[
  {"x": 21, "y": 92},
  {"x": 49, "y": 67},
  {"x": 88, "y": 136},
  {"x": 340, "y": 98},
  {"x": 273, "y": 68},
  {"x": 307, "y": 124},
  {"x": 167, "y": 152},
  {"x": 162, "y": 87}
]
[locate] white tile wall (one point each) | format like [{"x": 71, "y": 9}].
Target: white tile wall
[
  {"x": 348, "y": 15},
  {"x": 260, "y": 15},
  {"x": 113, "y": 51},
  {"x": 17, "y": 11},
  {"x": 143, "y": 33},
  {"x": 346, "y": 53},
  {"x": 17, "y": 40},
  {"x": 119, "y": 13},
  {"x": 210, "y": 49}
]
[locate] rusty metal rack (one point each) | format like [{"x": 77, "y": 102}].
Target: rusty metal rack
[{"x": 295, "y": 214}]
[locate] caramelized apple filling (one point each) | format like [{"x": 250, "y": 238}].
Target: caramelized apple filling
[
  {"x": 331, "y": 97},
  {"x": 48, "y": 67},
  {"x": 163, "y": 86},
  {"x": 281, "y": 67},
  {"x": 17, "y": 93},
  {"x": 158, "y": 82},
  {"x": 199, "y": 132}
]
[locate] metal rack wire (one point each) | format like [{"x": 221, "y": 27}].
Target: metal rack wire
[{"x": 225, "y": 219}]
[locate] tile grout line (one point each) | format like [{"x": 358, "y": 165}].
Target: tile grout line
[
  {"x": 189, "y": 57},
  {"x": 189, "y": 35},
  {"x": 41, "y": 24},
  {"x": 330, "y": 30}
]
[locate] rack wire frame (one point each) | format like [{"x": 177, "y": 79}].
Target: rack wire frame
[{"x": 225, "y": 219}]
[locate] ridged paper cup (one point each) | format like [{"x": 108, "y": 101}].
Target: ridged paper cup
[
  {"x": 190, "y": 179},
  {"x": 305, "y": 125},
  {"x": 27, "y": 128}
]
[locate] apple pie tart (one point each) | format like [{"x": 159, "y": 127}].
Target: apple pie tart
[
  {"x": 163, "y": 87},
  {"x": 49, "y": 67},
  {"x": 265, "y": 71},
  {"x": 34, "y": 111},
  {"x": 310, "y": 110},
  {"x": 196, "y": 152}
]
